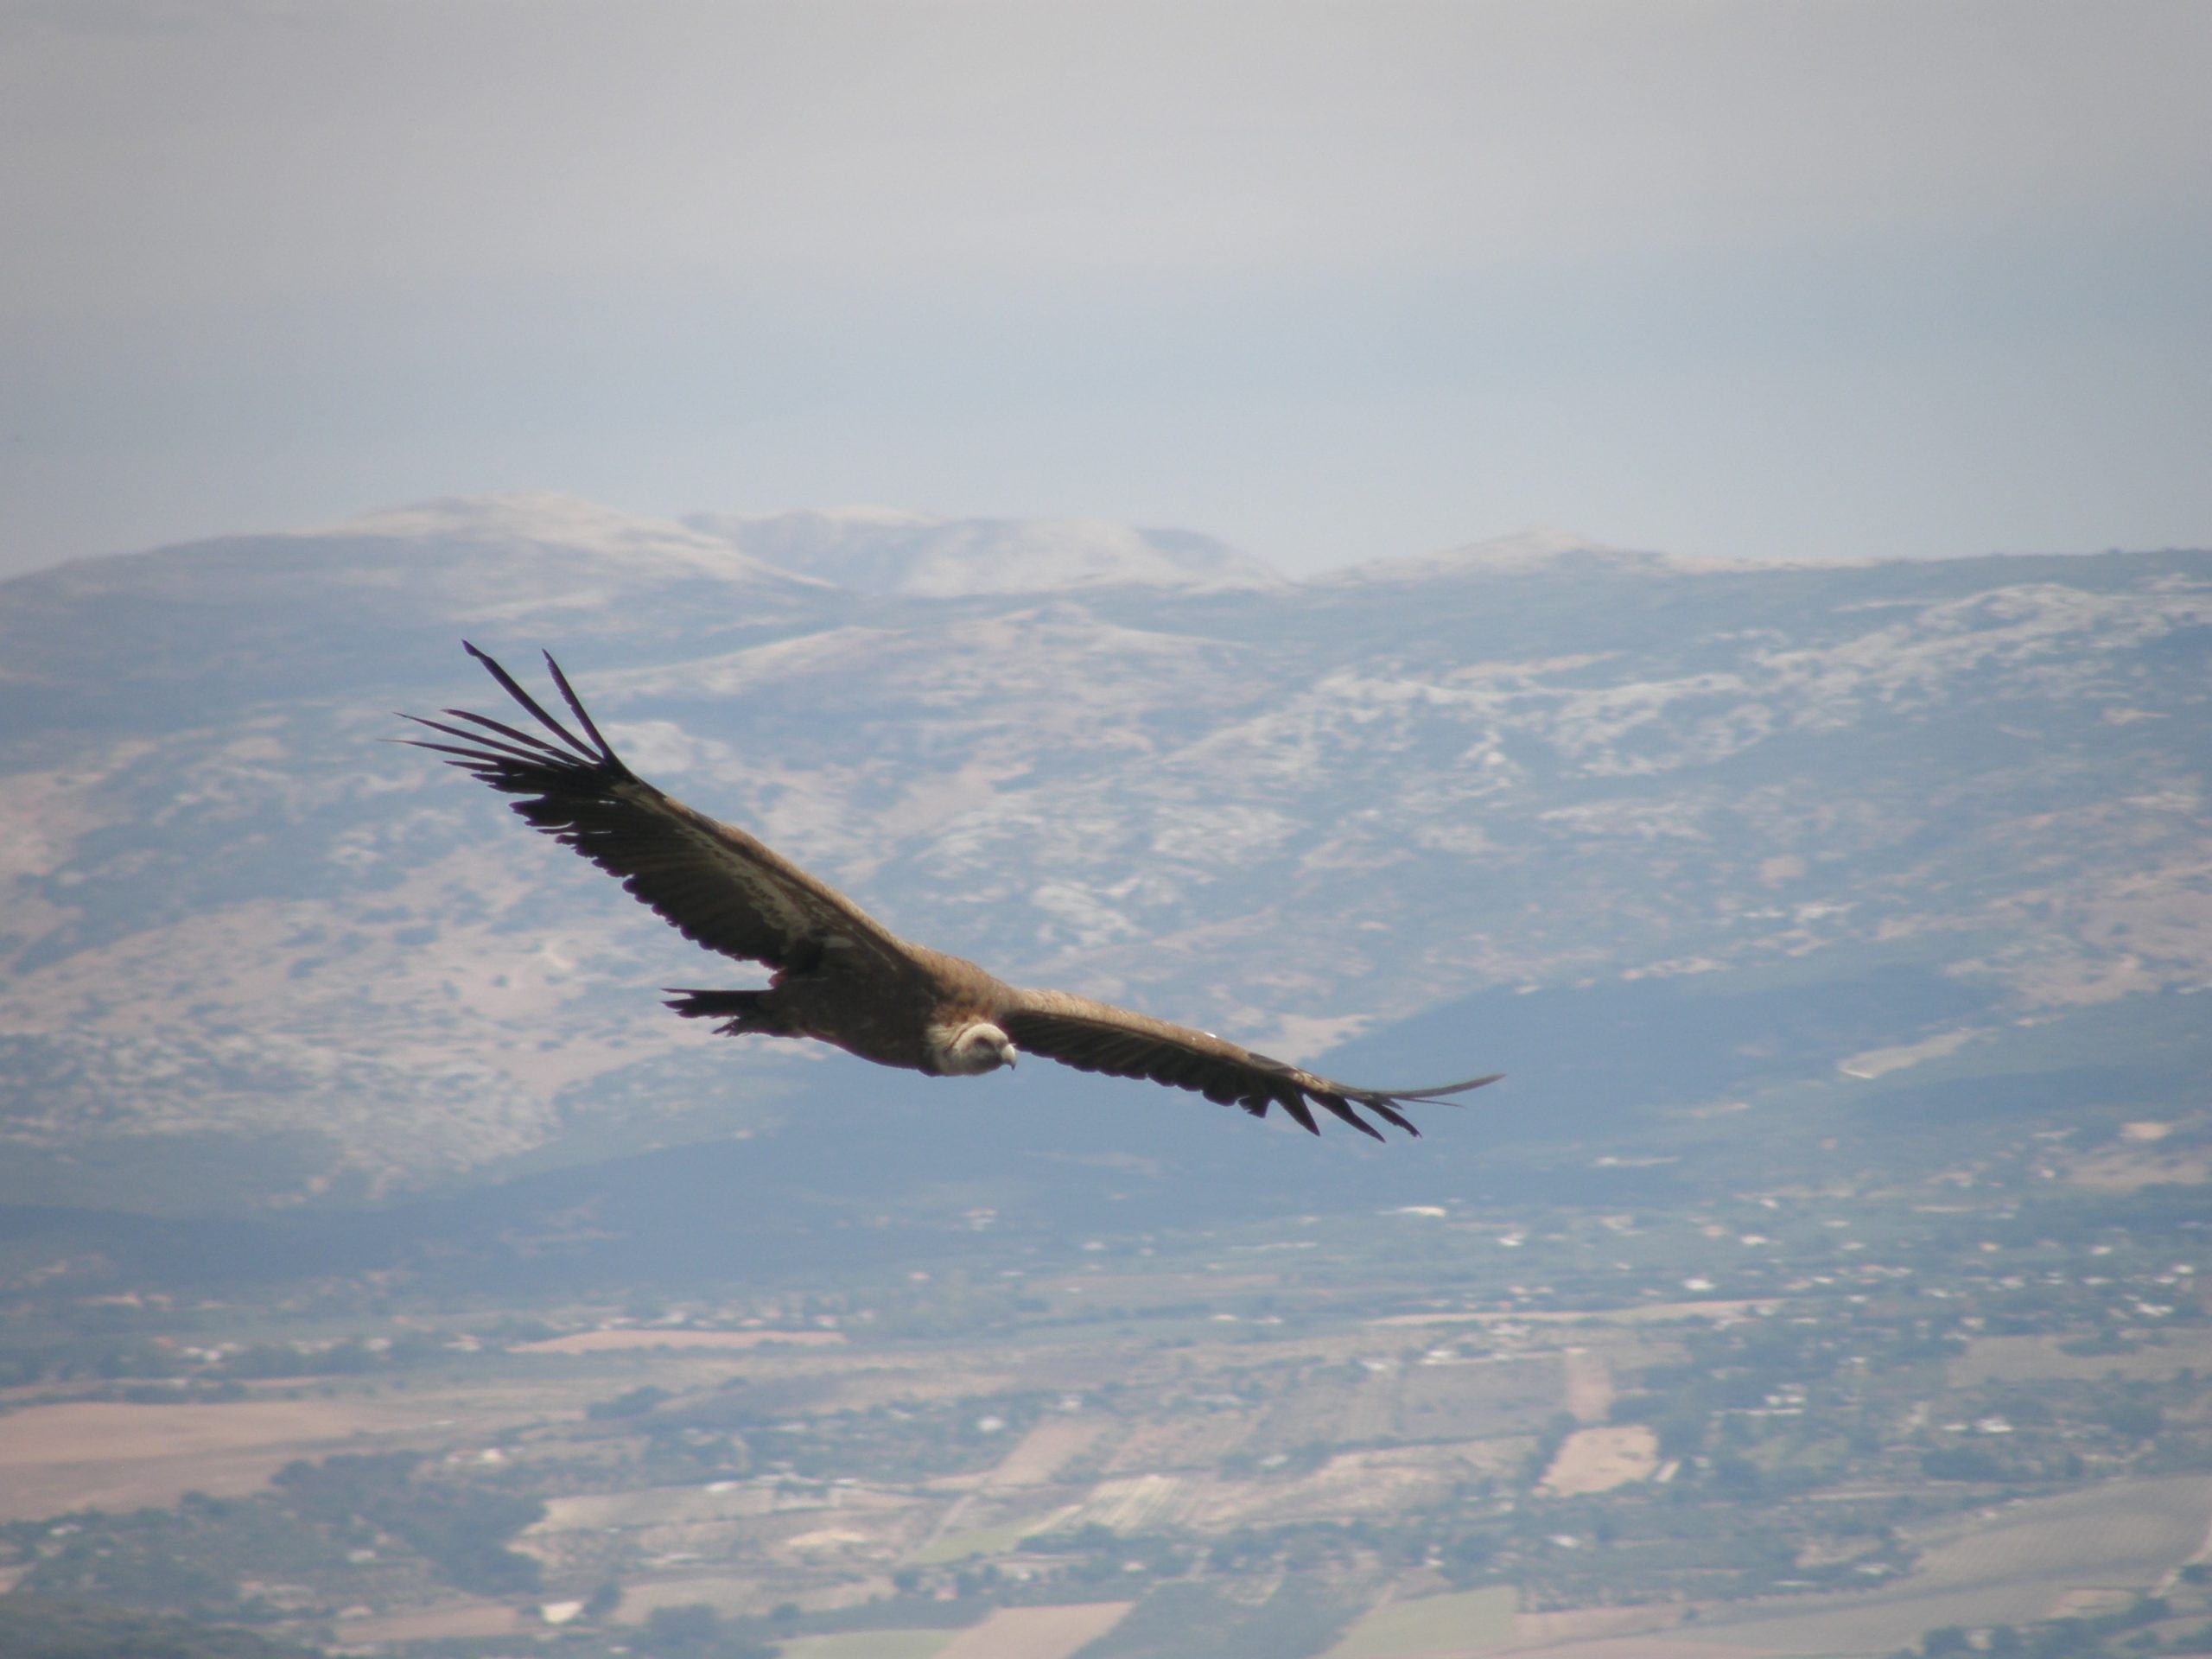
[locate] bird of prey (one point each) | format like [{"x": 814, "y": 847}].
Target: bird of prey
[{"x": 839, "y": 975}]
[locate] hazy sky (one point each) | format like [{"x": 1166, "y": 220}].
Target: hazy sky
[{"x": 1331, "y": 281}]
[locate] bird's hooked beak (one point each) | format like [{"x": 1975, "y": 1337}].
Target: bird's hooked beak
[{"x": 1006, "y": 1055}]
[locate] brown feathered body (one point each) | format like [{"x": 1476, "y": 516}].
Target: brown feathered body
[
  {"x": 908, "y": 1019},
  {"x": 838, "y": 976}
]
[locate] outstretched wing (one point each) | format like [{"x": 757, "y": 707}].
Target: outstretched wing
[
  {"x": 1099, "y": 1037},
  {"x": 718, "y": 885}
]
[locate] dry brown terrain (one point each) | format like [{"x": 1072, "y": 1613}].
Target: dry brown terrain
[
  {"x": 1036, "y": 1632},
  {"x": 1045, "y": 1448},
  {"x": 1599, "y": 1459},
  {"x": 85, "y": 1454},
  {"x": 725, "y": 1592},
  {"x": 1581, "y": 1625},
  {"x": 456, "y": 1619}
]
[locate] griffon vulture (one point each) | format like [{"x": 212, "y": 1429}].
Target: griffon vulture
[{"x": 840, "y": 977}]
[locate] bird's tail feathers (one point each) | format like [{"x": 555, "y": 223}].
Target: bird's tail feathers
[{"x": 742, "y": 1012}]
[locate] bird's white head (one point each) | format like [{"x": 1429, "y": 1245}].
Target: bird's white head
[{"x": 971, "y": 1050}]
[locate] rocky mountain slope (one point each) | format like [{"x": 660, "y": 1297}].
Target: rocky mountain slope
[{"x": 1393, "y": 809}]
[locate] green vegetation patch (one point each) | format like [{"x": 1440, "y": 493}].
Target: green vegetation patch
[
  {"x": 1473, "y": 1618},
  {"x": 981, "y": 1541}
]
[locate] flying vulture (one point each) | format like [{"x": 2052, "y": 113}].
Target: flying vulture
[{"x": 840, "y": 977}]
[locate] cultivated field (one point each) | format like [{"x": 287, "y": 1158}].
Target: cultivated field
[
  {"x": 1045, "y": 1448},
  {"x": 1035, "y": 1632},
  {"x": 870, "y": 1644},
  {"x": 1599, "y": 1459},
  {"x": 1432, "y": 1627},
  {"x": 86, "y": 1454},
  {"x": 457, "y": 1620}
]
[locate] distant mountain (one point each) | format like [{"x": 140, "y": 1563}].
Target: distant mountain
[
  {"x": 1526, "y": 552},
  {"x": 183, "y": 630},
  {"x": 1663, "y": 840},
  {"x": 881, "y": 550},
  {"x": 1536, "y": 552}
]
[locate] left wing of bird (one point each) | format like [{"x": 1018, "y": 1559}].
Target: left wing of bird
[
  {"x": 1099, "y": 1037},
  {"x": 718, "y": 885}
]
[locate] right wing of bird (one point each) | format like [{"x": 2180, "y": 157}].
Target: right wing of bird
[{"x": 1099, "y": 1037}]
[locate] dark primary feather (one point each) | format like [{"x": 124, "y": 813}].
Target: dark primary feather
[{"x": 716, "y": 883}]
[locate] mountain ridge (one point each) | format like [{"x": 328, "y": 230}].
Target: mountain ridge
[
  {"x": 1303, "y": 814},
  {"x": 883, "y": 551}
]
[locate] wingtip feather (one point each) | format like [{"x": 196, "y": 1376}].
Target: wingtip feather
[
  {"x": 514, "y": 688},
  {"x": 1441, "y": 1092},
  {"x": 576, "y": 708},
  {"x": 1341, "y": 1108}
]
